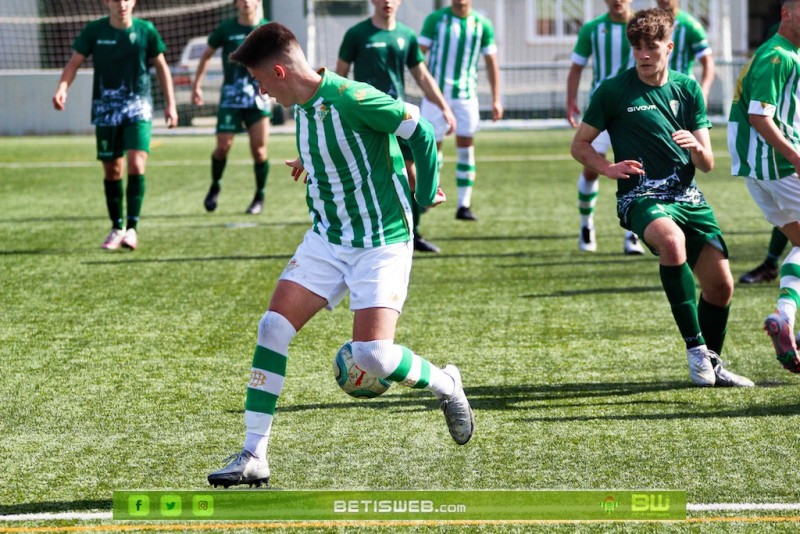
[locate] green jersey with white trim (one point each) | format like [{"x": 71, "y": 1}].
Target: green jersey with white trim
[
  {"x": 769, "y": 85},
  {"x": 606, "y": 43},
  {"x": 239, "y": 89},
  {"x": 691, "y": 43},
  {"x": 640, "y": 120},
  {"x": 357, "y": 190},
  {"x": 455, "y": 44},
  {"x": 121, "y": 93},
  {"x": 379, "y": 56}
]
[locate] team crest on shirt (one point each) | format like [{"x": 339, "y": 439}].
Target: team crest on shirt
[
  {"x": 132, "y": 37},
  {"x": 401, "y": 43},
  {"x": 322, "y": 112},
  {"x": 361, "y": 94},
  {"x": 674, "y": 105}
]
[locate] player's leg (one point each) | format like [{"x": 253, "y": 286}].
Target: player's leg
[
  {"x": 378, "y": 283},
  {"x": 258, "y": 132},
  {"x": 109, "y": 152},
  {"x": 667, "y": 240},
  {"x": 136, "y": 139},
  {"x": 767, "y": 271},
  {"x": 467, "y": 122},
  {"x": 228, "y": 125},
  {"x": 310, "y": 282},
  {"x": 779, "y": 201}
]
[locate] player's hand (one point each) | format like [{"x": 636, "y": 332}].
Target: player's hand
[
  {"x": 685, "y": 139},
  {"x": 60, "y": 100},
  {"x": 297, "y": 169},
  {"x": 197, "y": 96},
  {"x": 450, "y": 119},
  {"x": 573, "y": 111},
  {"x": 171, "y": 116},
  {"x": 497, "y": 111},
  {"x": 440, "y": 197},
  {"x": 623, "y": 170}
]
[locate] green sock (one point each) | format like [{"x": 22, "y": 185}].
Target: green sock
[
  {"x": 713, "y": 323},
  {"x": 261, "y": 171},
  {"x": 217, "y": 168},
  {"x": 114, "y": 201},
  {"x": 415, "y": 214},
  {"x": 678, "y": 283},
  {"x": 777, "y": 244},
  {"x": 135, "y": 197}
]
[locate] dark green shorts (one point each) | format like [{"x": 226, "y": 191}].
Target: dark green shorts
[
  {"x": 237, "y": 120},
  {"x": 697, "y": 221},
  {"x": 113, "y": 141}
]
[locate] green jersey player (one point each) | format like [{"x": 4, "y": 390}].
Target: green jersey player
[
  {"x": 122, "y": 106},
  {"x": 240, "y": 106},
  {"x": 456, "y": 36},
  {"x": 380, "y": 49},
  {"x": 360, "y": 241},
  {"x": 601, "y": 40},
  {"x": 764, "y": 143},
  {"x": 656, "y": 119},
  {"x": 691, "y": 44}
]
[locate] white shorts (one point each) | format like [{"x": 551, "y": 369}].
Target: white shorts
[
  {"x": 465, "y": 111},
  {"x": 376, "y": 277},
  {"x": 602, "y": 142},
  {"x": 779, "y": 200}
]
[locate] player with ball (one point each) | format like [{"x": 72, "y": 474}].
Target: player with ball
[{"x": 360, "y": 240}]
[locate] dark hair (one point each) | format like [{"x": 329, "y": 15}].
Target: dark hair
[
  {"x": 784, "y": 2},
  {"x": 263, "y": 44},
  {"x": 650, "y": 25}
]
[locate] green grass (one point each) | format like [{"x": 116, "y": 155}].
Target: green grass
[{"x": 128, "y": 370}]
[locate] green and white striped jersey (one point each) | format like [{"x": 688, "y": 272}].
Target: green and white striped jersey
[
  {"x": 605, "y": 42},
  {"x": 769, "y": 85},
  {"x": 357, "y": 190},
  {"x": 691, "y": 43},
  {"x": 455, "y": 44}
]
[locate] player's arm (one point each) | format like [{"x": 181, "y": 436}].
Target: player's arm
[
  {"x": 422, "y": 141},
  {"x": 432, "y": 92},
  {"x": 698, "y": 142},
  {"x": 342, "y": 67},
  {"x": 766, "y": 128},
  {"x": 202, "y": 68},
  {"x": 493, "y": 70},
  {"x": 707, "y": 79},
  {"x": 165, "y": 79},
  {"x": 67, "y": 77},
  {"x": 585, "y": 154},
  {"x": 573, "y": 82}
]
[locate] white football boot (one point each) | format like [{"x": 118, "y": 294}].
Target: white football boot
[
  {"x": 242, "y": 468},
  {"x": 457, "y": 411}
]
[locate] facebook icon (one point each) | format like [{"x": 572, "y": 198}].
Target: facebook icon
[{"x": 138, "y": 505}]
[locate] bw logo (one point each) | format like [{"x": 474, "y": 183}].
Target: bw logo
[
  {"x": 643, "y": 502},
  {"x": 257, "y": 378}
]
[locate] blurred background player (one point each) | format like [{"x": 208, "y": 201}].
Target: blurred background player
[
  {"x": 380, "y": 49},
  {"x": 656, "y": 119},
  {"x": 241, "y": 105},
  {"x": 122, "y": 106},
  {"x": 691, "y": 44},
  {"x": 454, "y": 35},
  {"x": 603, "y": 40},
  {"x": 360, "y": 241},
  {"x": 763, "y": 136}
]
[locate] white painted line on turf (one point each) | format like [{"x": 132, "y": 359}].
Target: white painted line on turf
[
  {"x": 690, "y": 507},
  {"x": 196, "y": 163},
  {"x": 740, "y": 507},
  {"x": 58, "y": 516}
]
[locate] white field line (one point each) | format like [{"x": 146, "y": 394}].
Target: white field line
[
  {"x": 690, "y": 507},
  {"x": 203, "y": 163}
]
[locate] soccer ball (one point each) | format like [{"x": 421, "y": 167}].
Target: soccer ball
[{"x": 352, "y": 379}]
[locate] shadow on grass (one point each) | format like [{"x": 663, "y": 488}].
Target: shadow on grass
[
  {"x": 503, "y": 397},
  {"x": 284, "y": 257},
  {"x": 595, "y": 291},
  {"x": 55, "y": 506}
]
